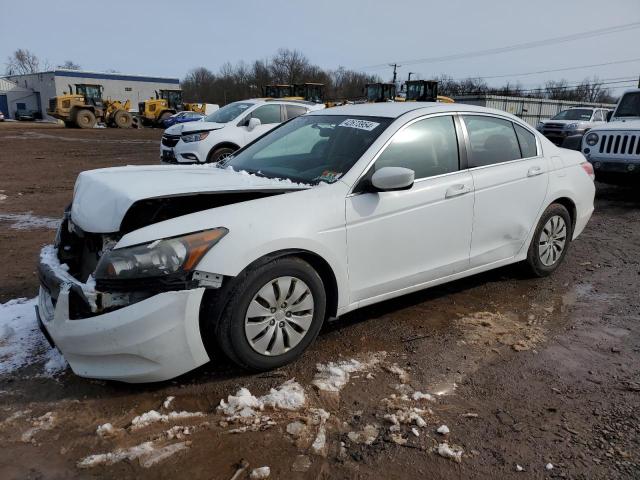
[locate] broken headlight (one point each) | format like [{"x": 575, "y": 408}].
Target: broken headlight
[{"x": 158, "y": 258}]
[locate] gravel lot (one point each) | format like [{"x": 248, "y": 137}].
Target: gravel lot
[{"x": 534, "y": 373}]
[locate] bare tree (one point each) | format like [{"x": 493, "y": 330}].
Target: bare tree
[
  {"x": 240, "y": 81},
  {"x": 23, "y": 62},
  {"x": 288, "y": 66},
  {"x": 70, "y": 65}
]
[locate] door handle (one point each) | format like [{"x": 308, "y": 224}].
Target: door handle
[
  {"x": 533, "y": 171},
  {"x": 457, "y": 190}
]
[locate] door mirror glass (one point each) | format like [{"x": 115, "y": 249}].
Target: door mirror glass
[
  {"x": 609, "y": 114},
  {"x": 253, "y": 123},
  {"x": 388, "y": 179}
]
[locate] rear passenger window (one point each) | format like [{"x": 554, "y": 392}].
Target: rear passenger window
[
  {"x": 428, "y": 147},
  {"x": 492, "y": 140},
  {"x": 527, "y": 142},
  {"x": 294, "y": 111},
  {"x": 267, "y": 114}
]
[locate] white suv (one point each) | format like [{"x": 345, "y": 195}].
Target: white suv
[
  {"x": 223, "y": 132},
  {"x": 573, "y": 121}
]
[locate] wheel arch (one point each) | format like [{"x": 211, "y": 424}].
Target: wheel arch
[
  {"x": 225, "y": 144},
  {"x": 570, "y": 205},
  {"x": 214, "y": 301},
  {"x": 318, "y": 263}
]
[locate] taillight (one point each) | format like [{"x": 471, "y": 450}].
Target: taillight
[{"x": 587, "y": 167}]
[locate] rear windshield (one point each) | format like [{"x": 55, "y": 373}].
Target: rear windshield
[
  {"x": 311, "y": 148},
  {"x": 574, "y": 114}
]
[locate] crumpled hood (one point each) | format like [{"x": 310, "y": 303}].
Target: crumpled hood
[
  {"x": 102, "y": 197},
  {"x": 198, "y": 126},
  {"x": 618, "y": 125}
]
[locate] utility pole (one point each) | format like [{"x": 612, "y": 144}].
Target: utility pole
[{"x": 395, "y": 71}]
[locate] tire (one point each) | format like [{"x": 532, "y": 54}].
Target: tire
[
  {"x": 260, "y": 343},
  {"x": 122, "y": 119},
  {"x": 164, "y": 117},
  {"x": 219, "y": 154},
  {"x": 551, "y": 241},
  {"x": 85, "y": 119}
]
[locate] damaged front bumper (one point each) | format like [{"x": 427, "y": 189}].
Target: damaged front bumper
[{"x": 154, "y": 339}]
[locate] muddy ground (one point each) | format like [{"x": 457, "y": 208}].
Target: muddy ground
[{"x": 524, "y": 371}]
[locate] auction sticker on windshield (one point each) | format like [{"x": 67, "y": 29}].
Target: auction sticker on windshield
[{"x": 359, "y": 124}]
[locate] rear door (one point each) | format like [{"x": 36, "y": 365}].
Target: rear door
[
  {"x": 402, "y": 239},
  {"x": 510, "y": 176}
]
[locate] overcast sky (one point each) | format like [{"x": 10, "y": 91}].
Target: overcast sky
[{"x": 168, "y": 38}]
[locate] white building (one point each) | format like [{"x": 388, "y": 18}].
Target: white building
[
  {"x": 14, "y": 97},
  {"x": 117, "y": 86}
]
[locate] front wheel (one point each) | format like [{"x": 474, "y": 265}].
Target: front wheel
[
  {"x": 219, "y": 154},
  {"x": 272, "y": 315},
  {"x": 550, "y": 241}
]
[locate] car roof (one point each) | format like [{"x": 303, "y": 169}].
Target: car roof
[{"x": 397, "y": 109}]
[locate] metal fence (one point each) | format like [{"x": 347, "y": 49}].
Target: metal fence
[{"x": 531, "y": 110}]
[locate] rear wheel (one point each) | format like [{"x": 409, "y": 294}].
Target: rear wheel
[
  {"x": 122, "y": 119},
  {"x": 85, "y": 119},
  {"x": 550, "y": 241},
  {"x": 272, "y": 315},
  {"x": 219, "y": 154}
]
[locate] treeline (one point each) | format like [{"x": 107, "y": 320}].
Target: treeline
[
  {"x": 589, "y": 90},
  {"x": 242, "y": 80}
]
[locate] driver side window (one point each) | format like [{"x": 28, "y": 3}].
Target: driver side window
[{"x": 429, "y": 147}]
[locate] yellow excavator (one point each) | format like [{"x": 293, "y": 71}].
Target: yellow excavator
[{"x": 86, "y": 107}]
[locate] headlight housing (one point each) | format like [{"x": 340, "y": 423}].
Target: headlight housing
[
  {"x": 592, "y": 139},
  {"x": 572, "y": 126},
  {"x": 194, "y": 137},
  {"x": 540, "y": 126},
  {"x": 158, "y": 258}
]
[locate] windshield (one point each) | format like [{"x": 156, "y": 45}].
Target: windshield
[
  {"x": 629, "y": 105},
  {"x": 574, "y": 114},
  {"x": 310, "y": 149},
  {"x": 228, "y": 113}
]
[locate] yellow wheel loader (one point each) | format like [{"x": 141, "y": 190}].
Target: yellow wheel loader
[{"x": 86, "y": 107}]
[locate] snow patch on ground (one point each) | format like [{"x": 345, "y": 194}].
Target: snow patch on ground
[
  {"x": 455, "y": 454},
  {"x": 27, "y": 221},
  {"x": 288, "y": 396},
  {"x": 45, "y": 422},
  {"x": 168, "y": 401},
  {"x": 147, "y": 418},
  {"x": 21, "y": 342},
  {"x": 260, "y": 473},
  {"x": 147, "y": 453},
  {"x": 334, "y": 376}
]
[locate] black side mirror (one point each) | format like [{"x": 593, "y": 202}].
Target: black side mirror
[{"x": 609, "y": 115}]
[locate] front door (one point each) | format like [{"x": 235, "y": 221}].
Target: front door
[
  {"x": 403, "y": 239},
  {"x": 270, "y": 116}
]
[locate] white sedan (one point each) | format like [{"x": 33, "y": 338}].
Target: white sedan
[{"x": 334, "y": 210}]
